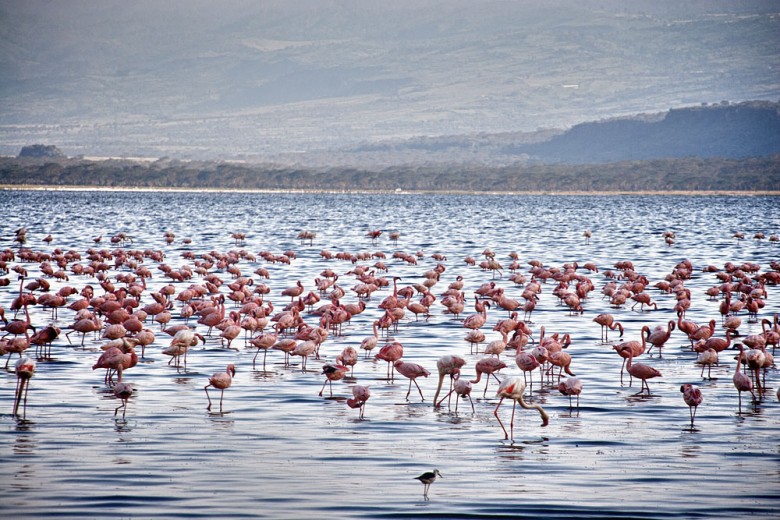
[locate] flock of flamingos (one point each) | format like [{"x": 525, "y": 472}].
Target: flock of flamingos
[{"x": 214, "y": 297}]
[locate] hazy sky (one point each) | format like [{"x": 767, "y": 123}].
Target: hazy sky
[{"x": 236, "y": 76}]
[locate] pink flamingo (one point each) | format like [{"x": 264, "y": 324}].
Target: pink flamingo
[
  {"x": 122, "y": 391},
  {"x": 692, "y": 397},
  {"x": 25, "y": 368},
  {"x": 514, "y": 389},
  {"x": 571, "y": 386},
  {"x": 391, "y": 353},
  {"x": 294, "y": 292},
  {"x": 488, "y": 366},
  {"x": 264, "y": 342},
  {"x": 607, "y": 322},
  {"x": 333, "y": 372},
  {"x": 220, "y": 380},
  {"x": 643, "y": 299},
  {"x": 659, "y": 336},
  {"x": 447, "y": 365},
  {"x": 360, "y": 395},
  {"x": 116, "y": 359},
  {"x": 629, "y": 348},
  {"x": 370, "y": 342},
  {"x": 641, "y": 371},
  {"x": 707, "y": 358},
  {"x": 742, "y": 382},
  {"x": 411, "y": 371},
  {"x": 348, "y": 357}
]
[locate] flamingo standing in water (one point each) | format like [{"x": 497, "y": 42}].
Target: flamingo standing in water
[
  {"x": 607, "y": 322},
  {"x": 571, "y": 386},
  {"x": 360, "y": 395},
  {"x": 742, "y": 382},
  {"x": 488, "y": 366},
  {"x": 25, "y": 368},
  {"x": 220, "y": 380},
  {"x": 123, "y": 391},
  {"x": 370, "y": 342},
  {"x": 462, "y": 388},
  {"x": 636, "y": 348},
  {"x": 447, "y": 365},
  {"x": 513, "y": 389},
  {"x": 333, "y": 372},
  {"x": 692, "y": 397},
  {"x": 640, "y": 370},
  {"x": 658, "y": 336},
  {"x": 412, "y": 371},
  {"x": 391, "y": 353}
]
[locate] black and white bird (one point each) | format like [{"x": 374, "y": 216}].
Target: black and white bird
[{"x": 427, "y": 479}]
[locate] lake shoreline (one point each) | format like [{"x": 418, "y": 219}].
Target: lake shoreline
[{"x": 141, "y": 189}]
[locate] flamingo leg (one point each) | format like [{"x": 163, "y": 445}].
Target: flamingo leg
[
  {"x": 206, "y": 388},
  {"x": 495, "y": 412},
  {"x": 512, "y": 421},
  {"x": 418, "y": 389}
]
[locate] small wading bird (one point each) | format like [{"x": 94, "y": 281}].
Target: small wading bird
[
  {"x": 513, "y": 388},
  {"x": 220, "y": 380},
  {"x": 427, "y": 479}
]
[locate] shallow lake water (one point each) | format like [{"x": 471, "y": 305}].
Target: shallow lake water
[{"x": 279, "y": 450}]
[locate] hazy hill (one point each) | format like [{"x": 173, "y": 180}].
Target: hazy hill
[
  {"x": 729, "y": 131},
  {"x": 295, "y": 80}
]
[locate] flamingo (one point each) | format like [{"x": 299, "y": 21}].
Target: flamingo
[
  {"x": 707, "y": 357},
  {"x": 116, "y": 359},
  {"x": 428, "y": 478},
  {"x": 333, "y": 372},
  {"x": 640, "y": 370},
  {"x": 370, "y": 342},
  {"x": 220, "y": 380},
  {"x": 659, "y": 336},
  {"x": 411, "y": 371},
  {"x": 348, "y": 357},
  {"x": 122, "y": 391},
  {"x": 526, "y": 362},
  {"x": 294, "y": 292},
  {"x": 305, "y": 349},
  {"x": 391, "y": 353},
  {"x": 636, "y": 348},
  {"x": 692, "y": 397},
  {"x": 25, "y": 368},
  {"x": 643, "y": 299},
  {"x": 742, "y": 382},
  {"x": 447, "y": 365},
  {"x": 496, "y": 347},
  {"x": 488, "y": 366},
  {"x": 513, "y": 388},
  {"x": 571, "y": 386},
  {"x": 476, "y": 321},
  {"x": 263, "y": 341},
  {"x": 462, "y": 388},
  {"x": 607, "y": 322},
  {"x": 360, "y": 395}
]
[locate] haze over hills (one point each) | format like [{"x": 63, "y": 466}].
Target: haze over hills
[{"x": 321, "y": 81}]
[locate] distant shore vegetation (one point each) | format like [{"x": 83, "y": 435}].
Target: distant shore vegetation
[{"x": 758, "y": 174}]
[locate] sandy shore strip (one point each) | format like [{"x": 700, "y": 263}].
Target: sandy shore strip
[{"x": 686, "y": 193}]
